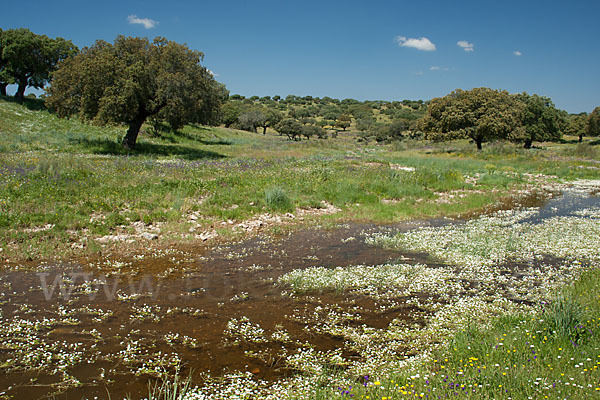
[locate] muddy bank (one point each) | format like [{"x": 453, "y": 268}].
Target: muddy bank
[{"x": 116, "y": 323}]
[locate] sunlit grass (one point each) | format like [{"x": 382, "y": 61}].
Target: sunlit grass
[
  {"x": 65, "y": 183},
  {"x": 519, "y": 356}
]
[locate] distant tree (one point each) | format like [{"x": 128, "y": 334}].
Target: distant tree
[
  {"x": 271, "y": 118},
  {"x": 291, "y": 128},
  {"x": 5, "y": 77},
  {"x": 299, "y": 112},
  {"x": 328, "y": 100},
  {"x": 330, "y": 122},
  {"x": 230, "y": 112},
  {"x": 577, "y": 125},
  {"x": 343, "y": 121},
  {"x": 308, "y": 121},
  {"x": 134, "y": 79},
  {"x": 29, "y": 59},
  {"x": 237, "y": 97},
  {"x": 309, "y": 131},
  {"x": 540, "y": 120},
  {"x": 365, "y": 124},
  {"x": 277, "y": 98},
  {"x": 361, "y": 111},
  {"x": 250, "y": 119},
  {"x": 330, "y": 111},
  {"x": 312, "y": 110},
  {"x": 397, "y": 128},
  {"x": 593, "y": 123},
  {"x": 481, "y": 114},
  {"x": 322, "y": 123}
]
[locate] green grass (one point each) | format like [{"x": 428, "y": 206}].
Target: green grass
[
  {"x": 65, "y": 182},
  {"x": 276, "y": 199}
]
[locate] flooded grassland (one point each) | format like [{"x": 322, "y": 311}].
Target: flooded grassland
[{"x": 285, "y": 316}]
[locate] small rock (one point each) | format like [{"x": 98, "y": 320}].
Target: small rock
[
  {"x": 149, "y": 236},
  {"x": 112, "y": 238},
  {"x": 193, "y": 217},
  {"x": 204, "y": 236}
]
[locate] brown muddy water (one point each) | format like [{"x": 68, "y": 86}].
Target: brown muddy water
[
  {"x": 85, "y": 329},
  {"x": 79, "y": 330}
]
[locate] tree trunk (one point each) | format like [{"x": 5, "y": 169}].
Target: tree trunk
[
  {"x": 20, "y": 94},
  {"x": 527, "y": 144},
  {"x": 3, "y": 89},
  {"x": 264, "y": 130},
  {"x": 580, "y": 137},
  {"x": 132, "y": 133},
  {"x": 478, "y": 141}
]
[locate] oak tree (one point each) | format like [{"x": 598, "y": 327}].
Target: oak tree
[
  {"x": 481, "y": 114},
  {"x": 290, "y": 127},
  {"x": 540, "y": 120},
  {"x": 28, "y": 59},
  {"x": 134, "y": 79},
  {"x": 593, "y": 123}
]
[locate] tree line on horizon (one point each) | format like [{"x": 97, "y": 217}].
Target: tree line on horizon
[{"x": 133, "y": 81}]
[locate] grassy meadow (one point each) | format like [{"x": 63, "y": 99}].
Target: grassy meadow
[{"x": 66, "y": 183}]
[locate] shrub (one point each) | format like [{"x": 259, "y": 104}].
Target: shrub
[
  {"x": 277, "y": 199},
  {"x": 563, "y": 318}
]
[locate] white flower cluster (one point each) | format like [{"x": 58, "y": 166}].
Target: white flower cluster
[{"x": 243, "y": 330}]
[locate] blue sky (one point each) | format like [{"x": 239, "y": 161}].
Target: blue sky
[{"x": 389, "y": 50}]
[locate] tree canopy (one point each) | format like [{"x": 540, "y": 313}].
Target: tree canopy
[
  {"x": 135, "y": 79},
  {"x": 28, "y": 59},
  {"x": 290, "y": 127},
  {"x": 540, "y": 120},
  {"x": 481, "y": 114},
  {"x": 593, "y": 123},
  {"x": 5, "y": 77},
  {"x": 577, "y": 125}
]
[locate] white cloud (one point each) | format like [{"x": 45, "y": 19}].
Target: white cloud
[
  {"x": 423, "y": 43},
  {"x": 212, "y": 73},
  {"x": 147, "y": 22},
  {"x": 517, "y": 53},
  {"x": 466, "y": 45},
  {"x": 437, "y": 68}
]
